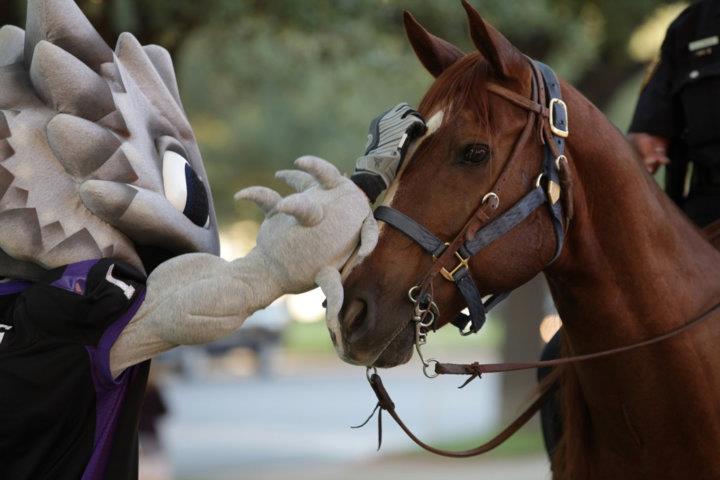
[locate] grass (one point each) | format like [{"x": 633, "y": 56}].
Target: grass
[{"x": 528, "y": 441}]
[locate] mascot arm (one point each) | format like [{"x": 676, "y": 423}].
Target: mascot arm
[{"x": 303, "y": 242}]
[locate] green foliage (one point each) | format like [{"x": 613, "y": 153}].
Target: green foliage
[
  {"x": 266, "y": 81},
  {"x": 285, "y": 78}
]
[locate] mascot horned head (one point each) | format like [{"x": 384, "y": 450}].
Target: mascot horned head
[{"x": 97, "y": 157}]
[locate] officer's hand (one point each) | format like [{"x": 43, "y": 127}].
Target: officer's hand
[
  {"x": 389, "y": 137},
  {"x": 652, "y": 150}
]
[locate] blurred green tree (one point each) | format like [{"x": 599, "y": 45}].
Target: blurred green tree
[{"x": 264, "y": 82}]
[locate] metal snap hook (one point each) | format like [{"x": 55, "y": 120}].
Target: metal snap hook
[
  {"x": 368, "y": 375},
  {"x": 431, "y": 362},
  {"x": 429, "y": 315},
  {"x": 412, "y": 293},
  {"x": 538, "y": 180},
  {"x": 493, "y": 197}
]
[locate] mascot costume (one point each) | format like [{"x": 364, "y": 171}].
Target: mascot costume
[{"x": 109, "y": 243}]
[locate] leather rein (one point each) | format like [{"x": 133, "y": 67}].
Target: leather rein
[{"x": 548, "y": 113}]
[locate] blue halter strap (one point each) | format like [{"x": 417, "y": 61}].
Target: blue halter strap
[{"x": 548, "y": 104}]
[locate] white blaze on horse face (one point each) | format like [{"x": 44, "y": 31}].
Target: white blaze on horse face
[{"x": 433, "y": 123}]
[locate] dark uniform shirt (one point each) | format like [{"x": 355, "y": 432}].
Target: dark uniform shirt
[
  {"x": 62, "y": 414},
  {"x": 681, "y": 102}
]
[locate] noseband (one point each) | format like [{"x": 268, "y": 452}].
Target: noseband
[{"x": 548, "y": 113}]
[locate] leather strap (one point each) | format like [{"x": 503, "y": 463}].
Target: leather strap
[
  {"x": 385, "y": 403},
  {"x": 422, "y": 236},
  {"x": 476, "y": 370},
  {"x": 507, "y": 221}
]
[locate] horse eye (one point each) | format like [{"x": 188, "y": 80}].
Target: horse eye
[{"x": 475, "y": 154}]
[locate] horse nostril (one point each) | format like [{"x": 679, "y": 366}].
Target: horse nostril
[{"x": 356, "y": 320}]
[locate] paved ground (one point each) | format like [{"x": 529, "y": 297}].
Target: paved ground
[
  {"x": 417, "y": 468},
  {"x": 297, "y": 427}
]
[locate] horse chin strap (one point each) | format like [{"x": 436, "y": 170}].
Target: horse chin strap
[{"x": 546, "y": 111}]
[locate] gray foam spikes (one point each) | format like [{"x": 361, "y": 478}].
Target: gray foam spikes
[
  {"x": 62, "y": 23},
  {"x": 116, "y": 168},
  {"x": 12, "y": 41},
  {"x": 21, "y": 232},
  {"x": 64, "y": 252},
  {"x": 72, "y": 112},
  {"x": 69, "y": 85},
  {"x": 53, "y": 233},
  {"x": 163, "y": 64},
  {"x": 4, "y": 127},
  {"x": 82, "y": 146},
  {"x": 135, "y": 60},
  {"x": 6, "y": 179}
]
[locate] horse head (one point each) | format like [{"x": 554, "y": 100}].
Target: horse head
[{"x": 471, "y": 148}]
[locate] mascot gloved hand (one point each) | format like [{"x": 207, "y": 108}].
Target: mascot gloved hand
[{"x": 304, "y": 241}]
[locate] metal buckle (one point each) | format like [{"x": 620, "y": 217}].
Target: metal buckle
[
  {"x": 463, "y": 264},
  {"x": 555, "y": 130}
]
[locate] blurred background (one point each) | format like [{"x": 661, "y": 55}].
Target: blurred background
[{"x": 266, "y": 81}]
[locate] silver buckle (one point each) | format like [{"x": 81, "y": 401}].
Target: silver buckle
[{"x": 555, "y": 130}]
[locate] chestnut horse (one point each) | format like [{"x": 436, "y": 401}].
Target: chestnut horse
[{"x": 632, "y": 266}]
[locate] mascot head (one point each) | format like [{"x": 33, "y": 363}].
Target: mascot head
[{"x": 97, "y": 157}]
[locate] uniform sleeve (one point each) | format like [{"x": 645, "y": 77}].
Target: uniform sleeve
[
  {"x": 655, "y": 112},
  {"x": 79, "y": 303}
]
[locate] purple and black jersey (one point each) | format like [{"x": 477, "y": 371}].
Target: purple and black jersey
[{"x": 62, "y": 415}]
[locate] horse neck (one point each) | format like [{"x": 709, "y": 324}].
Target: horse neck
[{"x": 632, "y": 263}]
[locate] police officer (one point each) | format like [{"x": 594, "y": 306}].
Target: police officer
[{"x": 678, "y": 113}]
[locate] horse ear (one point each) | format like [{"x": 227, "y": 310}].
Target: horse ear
[
  {"x": 497, "y": 50},
  {"x": 434, "y": 53}
]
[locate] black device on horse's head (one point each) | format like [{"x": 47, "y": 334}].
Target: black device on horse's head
[{"x": 546, "y": 91}]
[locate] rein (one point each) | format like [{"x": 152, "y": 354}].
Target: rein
[{"x": 476, "y": 370}]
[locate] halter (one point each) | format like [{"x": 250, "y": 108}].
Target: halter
[{"x": 479, "y": 232}]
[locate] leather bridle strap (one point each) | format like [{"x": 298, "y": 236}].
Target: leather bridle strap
[
  {"x": 422, "y": 236},
  {"x": 385, "y": 403},
  {"x": 476, "y": 370}
]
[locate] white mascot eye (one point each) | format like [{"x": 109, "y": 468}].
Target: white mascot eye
[
  {"x": 174, "y": 179},
  {"x": 184, "y": 189}
]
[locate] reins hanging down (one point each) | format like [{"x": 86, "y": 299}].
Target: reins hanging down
[{"x": 476, "y": 370}]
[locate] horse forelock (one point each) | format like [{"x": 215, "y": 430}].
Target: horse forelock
[{"x": 460, "y": 89}]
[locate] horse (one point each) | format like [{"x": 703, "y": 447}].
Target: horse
[{"x": 632, "y": 266}]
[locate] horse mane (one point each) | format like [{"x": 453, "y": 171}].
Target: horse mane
[{"x": 459, "y": 89}]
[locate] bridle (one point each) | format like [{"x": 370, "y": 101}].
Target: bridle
[
  {"x": 480, "y": 231},
  {"x": 548, "y": 113}
]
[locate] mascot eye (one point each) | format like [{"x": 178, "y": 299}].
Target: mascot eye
[
  {"x": 474, "y": 154},
  {"x": 184, "y": 189}
]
